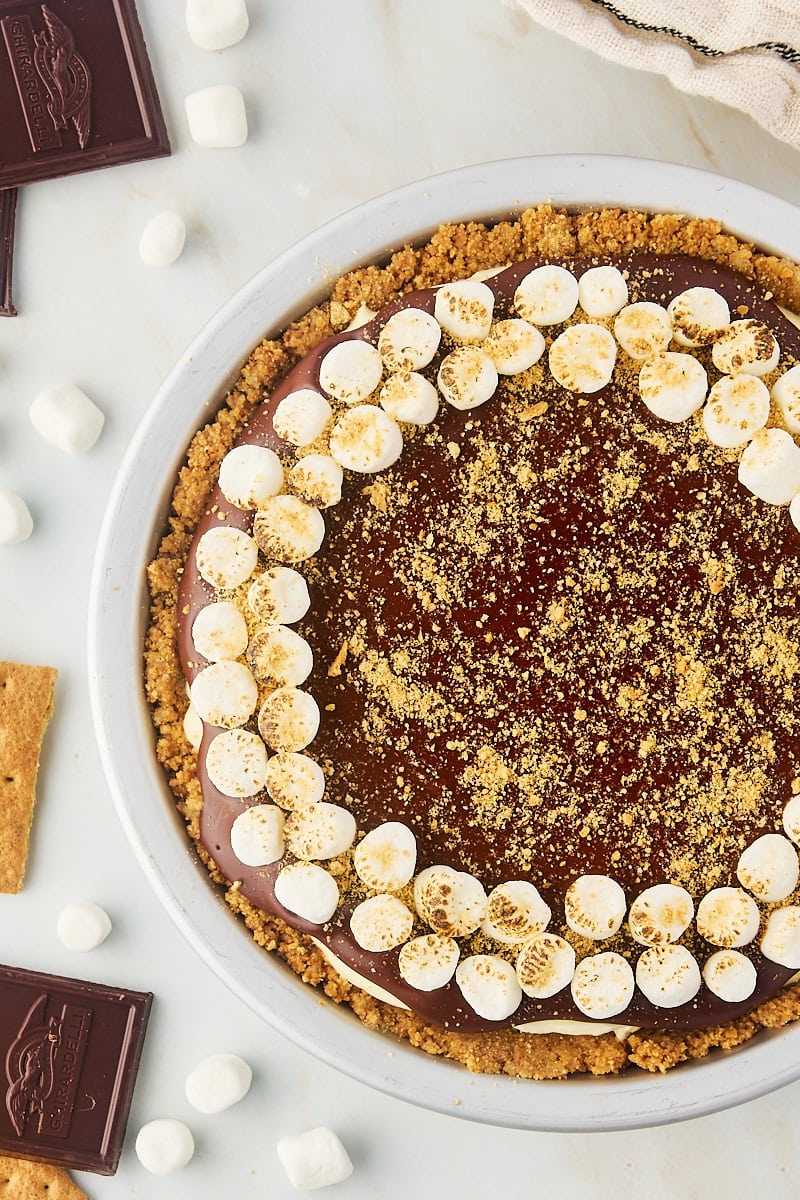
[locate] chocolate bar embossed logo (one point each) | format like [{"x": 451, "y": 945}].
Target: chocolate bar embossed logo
[
  {"x": 42, "y": 1068},
  {"x": 53, "y": 80}
]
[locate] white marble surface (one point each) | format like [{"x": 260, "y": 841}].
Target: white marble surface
[{"x": 346, "y": 100}]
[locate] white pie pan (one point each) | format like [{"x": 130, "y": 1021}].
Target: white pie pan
[{"x": 118, "y": 608}]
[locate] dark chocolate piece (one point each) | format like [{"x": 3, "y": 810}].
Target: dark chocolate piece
[
  {"x": 76, "y": 89},
  {"x": 8, "y": 208},
  {"x": 71, "y": 1051}
]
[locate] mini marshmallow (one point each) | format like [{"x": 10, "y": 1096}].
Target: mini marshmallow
[
  {"x": 308, "y": 891},
  {"x": 224, "y": 694},
  {"x": 217, "y": 116},
  {"x": 288, "y": 529},
  {"x": 219, "y": 631},
  {"x": 547, "y": 295},
  {"x": 464, "y": 309},
  {"x": 582, "y": 358},
  {"x": 781, "y": 940},
  {"x": 279, "y": 657},
  {"x": 257, "y": 835},
  {"x": 301, "y": 417},
  {"x": 791, "y": 819},
  {"x": 216, "y": 24},
  {"x": 83, "y": 926},
  {"x": 769, "y": 868},
  {"x": 66, "y": 418},
  {"x": 747, "y": 347},
  {"x": 467, "y": 378},
  {"x": 409, "y": 340},
  {"x": 164, "y": 1146},
  {"x": 351, "y": 370},
  {"x": 218, "y": 1082},
  {"x": 730, "y": 976},
  {"x": 602, "y": 291},
  {"x": 385, "y": 857},
  {"x": 594, "y": 906},
  {"x": 643, "y": 329},
  {"x": 294, "y": 780},
  {"x": 366, "y": 439},
  {"x": 514, "y": 346},
  {"x": 289, "y": 719},
  {"x": 320, "y": 831},
  {"x": 381, "y": 923},
  {"x": 673, "y": 386},
  {"x": 660, "y": 914},
  {"x": 16, "y": 522},
  {"x": 314, "y": 1159},
  {"x": 279, "y": 597},
  {"x": 770, "y": 466},
  {"x": 668, "y": 976},
  {"x": 786, "y": 394},
  {"x": 602, "y": 985},
  {"x": 699, "y": 315},
  {"x": 192, "y": 728},
  {"x": 317, "y": 479},
  {"x": 728, "y": 917},
  {"x": 250, "y": 475},
  {"x": 226, "y": 557},
  {"x": 408, "y": 396},
  {"x": 236, "y": 763},
  {"x": 489, "y": 985},
  {"x": 545, "y": 965},
  {"x": 515, "y": 911},
  {"x": 738, "y": 406},
  {"x": 428, "y": 962},
  {"x": 452, "y": 902},
  {"x": 162, "y": 240}
]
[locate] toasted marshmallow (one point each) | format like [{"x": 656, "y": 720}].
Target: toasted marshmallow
[
  {"x": 660, "y": 914},
  {"x": 163, "y": 239},
  {"x": 381, "y": 923},
  {"x": 66, "y": 418},
  {"x": 464, "y": 309},
  {"x": 301, "y": 417},
  {"x": 257, "y": 835},
  {"x": 769, "y": 868},
  {"x": 83, "y": 926},
  {"x": 738, "y": 406},
  {"x": 728, "y": 917},
  {"x": 288, "y": 529},
  {"x": 668, "y": 976},
  {"x": 366, "y": 439},
  {"x": 602, "y": 985},
  {"x": 786, "y": 394},
  {"x": 164, "y": 1146},
  {"x": 217, "y": 116},
  {"x": 386, "y": 857},
  {"x": 582, "y": 358},
  {"x": 193, "y": 728},
  {"x": 781, "y": 940},
  {"x": 547, "y": 295},
  {"x": 515, "y": 911},
  {"x": 514, "y": 346},
  {"x": 351, "y": 370},
  {"x": 320, "y": 831},
  {"x": 279, "y": 597},
  {"x": 428, "y": 962},
  {"x": 16, "y": 522},
  {"x": 452, "y": 902},
  {"x": 288, "y": 719},
  {"x": 314, "y": 1159},
  {"x": 219, "y": 631},
  {"x": 317, "y": 479},
  {"x": 746, "y": 347},
  {"x": 250, "y": 475},
  {"x": 770, "y": 466},
  {"x": 218, "y": 1082},
  {"x": 643, "y": 329},
  {"x": 602, "y": 291},
  {"x": 467, "y": 377},
  {"x": 294, "y": 780},
  {"x": 791, "y": 819},
  {"x": 224, "y": 694},
  {"x": 279, "y": 657},
  {"x": 408, "y": 396},
  {"x": 673, "y": 386},
  {"x": 489, "y": 985},
  {"x": 545, "y": 965},
  {"x": 308, "y": 891},
  {"x": 699, "y": 315},
  {"x": 236, "y": 763},
  {"x": 409, "y": 340},
  {"x": 226, "y": 557},
  {"x": 730, "y": 976},
  {"x": 594, "y": 906},
  {"x": 216, "y": 24}
]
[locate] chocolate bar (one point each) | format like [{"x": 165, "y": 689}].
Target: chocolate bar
[
  {"x": 8, "y": 208},
  {"x": 76, "y": 89},
  {"x": 71, "y": 1051}
]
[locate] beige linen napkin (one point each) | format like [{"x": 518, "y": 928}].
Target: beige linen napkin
[{"x": 745, "y": 53}]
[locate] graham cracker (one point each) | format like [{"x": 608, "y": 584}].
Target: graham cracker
[
  {"x": 26, "y": 704},
  {"x": 21, "y": 1179}
]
